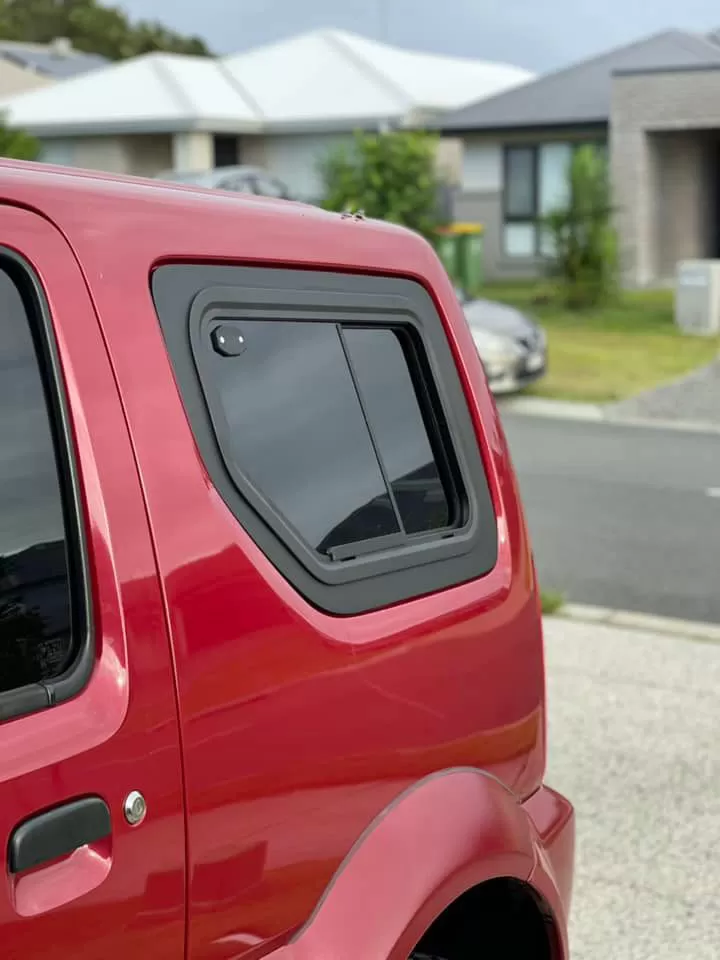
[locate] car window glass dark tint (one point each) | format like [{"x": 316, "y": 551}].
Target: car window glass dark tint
[
  {"x": 297, "y": 432},
  {"x": 34, "y": 589},
  {"x": 397, "y": 424}
]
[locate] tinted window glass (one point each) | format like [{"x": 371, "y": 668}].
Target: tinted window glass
[
  {"x": 397, "y": 424},
  {"x": 34, "y": 588},
  {"x": 520, "y": 182},
  {"x": 296, "y": 430}
]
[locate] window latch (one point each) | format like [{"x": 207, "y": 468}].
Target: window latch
[{"x": 228, "y": 341}]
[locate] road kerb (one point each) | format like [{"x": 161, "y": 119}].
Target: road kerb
[
  {"x": 642, "y": 622},
  {"x": 593, "y": 413},
  {"x": 553, "y": 409}
]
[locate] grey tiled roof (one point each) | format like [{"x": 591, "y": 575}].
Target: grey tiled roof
[
  {"x": 49, "y": 62},
  {"x": 581, "y": 93}
]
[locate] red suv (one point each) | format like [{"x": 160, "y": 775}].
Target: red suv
[{"x": 271, "y": 663}]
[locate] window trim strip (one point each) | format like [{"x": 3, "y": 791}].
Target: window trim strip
[{"x": 39, "y": 696}]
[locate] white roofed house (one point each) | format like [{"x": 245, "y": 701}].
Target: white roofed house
[
  {"x": 281, "y": 106},
  {"x": 316, "y": 88},
  {"x": 138, "y": 116}
]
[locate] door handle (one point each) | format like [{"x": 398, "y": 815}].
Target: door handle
[{"x": 57, "y": 833}]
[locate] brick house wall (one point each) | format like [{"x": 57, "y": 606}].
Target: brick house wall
[{"x": 664, "y": 134}]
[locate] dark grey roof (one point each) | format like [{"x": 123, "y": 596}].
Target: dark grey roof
[
  {"x": 581, "y": 93},
  {"x": 49, "y": 61}
]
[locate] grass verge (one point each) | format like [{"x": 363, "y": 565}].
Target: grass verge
[
  {"x": 608, "y": 354},
  {"x": 551, "y": 601}
]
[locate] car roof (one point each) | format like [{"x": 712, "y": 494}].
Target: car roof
[{"x": 106, "y": 216}]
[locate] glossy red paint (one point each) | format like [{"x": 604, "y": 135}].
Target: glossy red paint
[
  {"x": 122, "y": 732},
  {"x": 377, "y": 765}
]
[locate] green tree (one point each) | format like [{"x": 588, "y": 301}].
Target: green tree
[
  {"x": 92, "y": 27},
  {"x": 581, "y": 234},
  {"x": 18, "y": 145},
  {"x": 387, "y": 176}
]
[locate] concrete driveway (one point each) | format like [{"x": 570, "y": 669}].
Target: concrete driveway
[{"x": 634, "y": 730}]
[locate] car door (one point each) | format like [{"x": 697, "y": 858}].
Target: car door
[
  {"x": 91, "y": 809},
  {"x": 295, "y": 736}
]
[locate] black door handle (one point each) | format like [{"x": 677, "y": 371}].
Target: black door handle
[{"x": 58, "y": 832}]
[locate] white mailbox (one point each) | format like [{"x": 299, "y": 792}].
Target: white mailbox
[{"x": 697, "y": 297}]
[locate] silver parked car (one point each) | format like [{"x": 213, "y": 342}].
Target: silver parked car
[
  {"x": 512, "y": 348},
  {"x": 238, "y": 179}
]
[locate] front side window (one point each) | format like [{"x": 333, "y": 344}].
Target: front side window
[{"x": 35, "y": 609}]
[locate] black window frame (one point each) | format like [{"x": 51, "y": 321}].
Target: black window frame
[
  {"x": 191, "y": 298},
  {"x": 508, "y": 219},
  {"x": 36, "y": 697}
]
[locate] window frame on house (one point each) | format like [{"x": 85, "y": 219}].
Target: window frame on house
[{"x": 510, "y": 219}]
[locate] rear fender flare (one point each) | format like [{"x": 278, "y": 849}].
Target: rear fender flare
[{"x": 443, "y": 836}]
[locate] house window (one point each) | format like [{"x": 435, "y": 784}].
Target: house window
[
  {"x": 536, "y": 183},
  {"x": 226, "y": 150}
]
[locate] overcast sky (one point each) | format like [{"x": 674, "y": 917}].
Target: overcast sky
[{"x": 538, "y": 34}]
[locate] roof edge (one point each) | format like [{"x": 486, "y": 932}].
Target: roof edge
[
  {"x": 149, "y": 126},
  {"x": 539, "y": 127},
  {"x": 568, "y": 68},
  {"x": 685, "y": 68}
]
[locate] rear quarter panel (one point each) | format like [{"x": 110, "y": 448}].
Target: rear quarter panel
[{"x": 300, "y": 728}]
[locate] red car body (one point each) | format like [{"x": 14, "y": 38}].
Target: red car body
[{"x": 317, "y": 785}]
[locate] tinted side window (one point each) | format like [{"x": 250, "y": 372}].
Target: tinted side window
[
  {"x": 330, "y": 416},
  {"x": 35, "y": 635},
  {"x": 295, "y": 429},
  {"x": 390, "y": 399}
]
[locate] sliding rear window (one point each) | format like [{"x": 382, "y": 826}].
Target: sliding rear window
[{"x": 330, "y": 417}]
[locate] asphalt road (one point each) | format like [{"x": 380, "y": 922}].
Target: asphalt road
[
  {"x": 632, "y": 733},
  {"x": 620, "y": 516}
]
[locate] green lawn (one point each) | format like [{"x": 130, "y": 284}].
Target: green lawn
[
  {"x": 610, "y": 353},
  {"x": 552, "y": 602}
]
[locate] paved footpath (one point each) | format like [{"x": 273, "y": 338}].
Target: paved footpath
[{"x": 634, "y": 728}]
